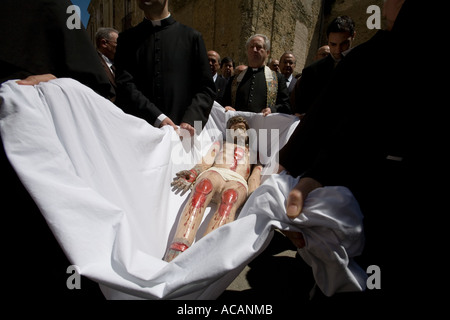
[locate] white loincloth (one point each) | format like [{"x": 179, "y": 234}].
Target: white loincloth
[{"x": 227, "y": 175}]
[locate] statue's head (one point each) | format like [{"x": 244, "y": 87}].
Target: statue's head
[
  {"x": 236, "y": 120},
  {"x": 237, "y": 130}
]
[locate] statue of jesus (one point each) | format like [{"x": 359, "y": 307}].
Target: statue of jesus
[{"x": 225, "y": 176}]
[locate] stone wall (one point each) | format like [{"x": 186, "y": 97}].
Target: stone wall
[
  {"x": 226, "y": 25},
  {"x": 292, "y": 25}
]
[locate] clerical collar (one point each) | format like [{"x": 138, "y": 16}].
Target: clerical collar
[
  {"x": 343, "y": 54},
  {"x": 157, "y": 23},
  {"x": 257, "y": 69}
]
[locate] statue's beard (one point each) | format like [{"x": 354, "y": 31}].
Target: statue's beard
[{"x": 237, "y": 136}]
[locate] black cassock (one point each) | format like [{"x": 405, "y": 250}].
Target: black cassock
[
  {"x": 164, "y": 70},
  {"x": 363, "y": 133}
]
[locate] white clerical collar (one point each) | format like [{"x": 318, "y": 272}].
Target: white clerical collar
[
  {"x": 157, "y": 23},
  {"x": 343, "y": 54}
]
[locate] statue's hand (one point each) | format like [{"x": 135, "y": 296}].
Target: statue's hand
[{"x": 184, "y": 179}]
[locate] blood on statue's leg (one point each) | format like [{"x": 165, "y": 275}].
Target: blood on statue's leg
[
  {"x": 231, "y": 199},
  {"x": 191, "y": 218}
]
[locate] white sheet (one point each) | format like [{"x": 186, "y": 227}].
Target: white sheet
[{"x": 101, "y": 178}]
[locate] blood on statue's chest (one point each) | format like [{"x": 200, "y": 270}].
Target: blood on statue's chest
[{"x": 234, "y": 155}]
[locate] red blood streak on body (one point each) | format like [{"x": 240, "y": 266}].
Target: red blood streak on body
[
  {"x": 201, "y": 191},
  {"x": 229, "y": 197},
  {"x": 238, "y": 155}
]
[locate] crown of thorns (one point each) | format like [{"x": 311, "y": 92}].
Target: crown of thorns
[{"x": 237, "y": 119}]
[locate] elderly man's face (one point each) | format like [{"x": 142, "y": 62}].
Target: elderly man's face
[
  {"x": 213, "y": 58},
  {"x": 287, "y": 64},
  {"x": 256, "y": 53}
]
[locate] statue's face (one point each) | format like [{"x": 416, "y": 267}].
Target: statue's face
[{"x": 238, "y": 133}]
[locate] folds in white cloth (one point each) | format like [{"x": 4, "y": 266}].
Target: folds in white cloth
[{"x": 101, "y": 179}]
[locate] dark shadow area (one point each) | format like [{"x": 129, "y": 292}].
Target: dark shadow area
[
  {"x": 34, "y": 267},
  {"x": 273, "y": 277}
]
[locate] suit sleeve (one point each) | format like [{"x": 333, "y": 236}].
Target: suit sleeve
[
  {"x": 326, "y": 145},
  {"x": 129, "y": 97}
]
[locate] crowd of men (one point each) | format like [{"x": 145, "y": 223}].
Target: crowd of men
[{"x": 246, "y": 91}]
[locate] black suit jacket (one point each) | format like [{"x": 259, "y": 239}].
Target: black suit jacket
[
  {"x": 109, "y": 74},
  {"x": 364, "y": 113},
  {"x": 364, "y": 133},
  {"x": 341, "y": 137},
  {"x": 221, "y": 85},
  {"x": 292, "y": 84},
  {"x": 164, "y": 70},
  {"x": 314, "y": 78}
]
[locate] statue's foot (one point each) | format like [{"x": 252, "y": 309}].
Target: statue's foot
[
  {"x": 175, "y": 249},
  {"x": 171, "y": 254}
]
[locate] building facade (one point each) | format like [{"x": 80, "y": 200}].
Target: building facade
[{"x": 292, "y": 25}]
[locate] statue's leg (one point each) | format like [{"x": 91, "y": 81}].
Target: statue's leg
[
  {"x": 233, "y": 196},
  {"x": 192, "y": 215}
]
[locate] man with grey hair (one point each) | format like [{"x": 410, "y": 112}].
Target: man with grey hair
[
  {"x": 106, "y": 43},
  {"x": 257, "y": 89}
]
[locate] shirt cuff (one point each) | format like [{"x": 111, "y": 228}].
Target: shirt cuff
[{"x": 160, "y": 119}]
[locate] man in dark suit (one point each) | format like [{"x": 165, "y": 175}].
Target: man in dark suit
[
  {"x": 372, "y": 145},
  {"x": 287, "y": 66},
  {"x": 106, "y": 42},
  {"x": 162, "y": 71},
  {"x": 219, "y": 80},
  {"x": 258, "y": 88},
  {"x": 340, "y": 33}
]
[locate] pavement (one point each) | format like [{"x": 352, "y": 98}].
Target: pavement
[{"x": 278, "y": 273}]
